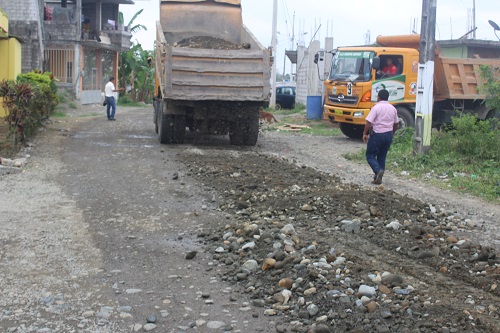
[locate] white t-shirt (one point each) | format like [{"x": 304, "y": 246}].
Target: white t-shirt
[{"x": 108, "y": 89}]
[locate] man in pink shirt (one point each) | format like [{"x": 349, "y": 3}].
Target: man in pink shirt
[{"x": 383, "y": 122}]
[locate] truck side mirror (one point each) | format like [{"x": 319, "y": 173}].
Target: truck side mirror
[{"x": 376, "y": 63}]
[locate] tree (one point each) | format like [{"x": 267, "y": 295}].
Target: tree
[
  {"x": 134, "y": 69},
  {"x": 491, "y": 86}
]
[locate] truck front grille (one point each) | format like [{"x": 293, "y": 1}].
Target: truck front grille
[{"x": 341, "y": 99}]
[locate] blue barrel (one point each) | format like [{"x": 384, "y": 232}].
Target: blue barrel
[{"x": 314, "y": 109}]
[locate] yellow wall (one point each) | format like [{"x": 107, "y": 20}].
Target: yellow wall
[
  {"x": 4, "y": 24},
  {"x": 10, "y": 55}
]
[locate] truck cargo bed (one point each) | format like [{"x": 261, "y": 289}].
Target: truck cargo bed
[
  {"x": 194, "y": 74},
  {"x": 459, "y": 78}
]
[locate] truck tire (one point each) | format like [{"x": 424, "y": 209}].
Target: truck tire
[
  {"x": 352, "y": 131},
  {"x": 166, "y": 128},
  {"x": 252, "y": 132},
  {"x": 406, "y": 118},
  {"x": 179, "y": 128},
  {"x": 244, "y": 132},
  {"x": 157, "y": 108}
]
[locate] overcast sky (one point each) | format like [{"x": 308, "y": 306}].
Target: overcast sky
[{"x": 348, "y": 22}]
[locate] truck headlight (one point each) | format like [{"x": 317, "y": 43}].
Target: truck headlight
[{"x": 359, "y": 114}]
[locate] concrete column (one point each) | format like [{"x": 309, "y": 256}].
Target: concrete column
[{"x": 98, "y": 17}]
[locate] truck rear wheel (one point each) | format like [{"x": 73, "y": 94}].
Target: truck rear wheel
[
  {"x": 352, "y": 131},
  {"x": 179, "y": 128},
  {"x": 244, "y": 132},
  {"x": 166, "y": 128},
  {"x": 157, "y": 109},
  {"x": 406, "y": 118}
]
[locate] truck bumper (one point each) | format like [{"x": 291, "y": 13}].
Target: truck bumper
[{"x": 346, "y": 115}]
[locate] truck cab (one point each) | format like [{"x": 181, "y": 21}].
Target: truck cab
[{"x": 356, "y": 76}]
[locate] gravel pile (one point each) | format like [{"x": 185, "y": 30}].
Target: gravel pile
[{"x": 328, "y": 256}]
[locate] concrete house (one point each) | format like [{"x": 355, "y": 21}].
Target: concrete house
[{"x": 77, "y": 40}]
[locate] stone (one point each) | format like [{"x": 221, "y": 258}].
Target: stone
[
  {"x": 269, "y": 263},
  {"x": 322, "y": 329},
  {"x": 395, "y": 225},
  {"x": 307, "y": 208},
  {"x": 366, "y": 290},
  {"x": 310, "y": 291},
  {"x": 248, "y": 246},
  {"x": 384, "y": 290},
  {"x": 371, "y": 307},
  {"x": 133, "y": 291},
  {"x": 151, "y": 319},
  {"x": 286, "y": 283},
  {"x": 215, "y": 324},
  {"x": 149, "y": 327},
  {"x": 190, "y": 255},
  {"x": 434, "y": 252},
  {"x": 250, "y": 265},
  {"x": 392, "y": 280},
  {"x": 313, "y": 309},
  {"x": 288, "y": 230}
]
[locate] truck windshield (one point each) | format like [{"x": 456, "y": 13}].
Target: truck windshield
[{"x": 352, "y": 66}]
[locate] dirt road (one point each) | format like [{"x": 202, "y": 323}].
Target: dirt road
[{"x": 107, "y": 230}]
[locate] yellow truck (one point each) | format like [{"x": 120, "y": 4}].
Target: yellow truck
[
  {"x": 357, "y": 75},
  {"x": 212, "y": 75}
]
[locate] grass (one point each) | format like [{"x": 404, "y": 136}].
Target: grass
[
  {"x": 72, "y": 105},
  {"x": 58, "y": 114},
  {"x": 465, "y": 159},
  {"x": 297, "y": 116}
]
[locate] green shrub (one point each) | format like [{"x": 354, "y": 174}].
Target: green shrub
[
  {"x": 17, "y": 99},
  {"x": 72, "y": 105},
  {"x": 45, "y": 90}
]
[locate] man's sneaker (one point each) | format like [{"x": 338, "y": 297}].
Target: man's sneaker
[{"x": 378, "y": 178}]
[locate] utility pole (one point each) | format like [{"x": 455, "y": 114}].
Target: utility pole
[
  {"x": 272, "y": 103},
  {"x": 474, "y": 18},
  {"x": 425, "y": 80}
]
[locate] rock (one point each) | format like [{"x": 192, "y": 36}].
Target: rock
[
  {"x": 452, "y": 239},
  {"x": 270, "y": 312},
  {"x": 241, "y": 276},
  {"x": 307, "y": 208},
  {"x": 250, "y": 265},
  {"x": 395, "y": 225},
  {"x": 434, "y": 252},
  {"x": 322, "y": 329},
  {"x": 371, "y": 307},
  {"x": 215, "y": 324},
  {"x": 279, "y": 255},
  {"x": 384, "y": 290},
  {"x": 392, "y": 280},
  {"x": 386, "y": 314},
  {"x": 288, "y": 230},
  {"x": 366, "y": 290},
  {"x": 136, "y": 327},
  {"x": 149, "y": 327},
  {"x": 310, "y": 291},
  {"x": 312, "y": 309},
  {"x": 269, "y": 263},
  {"x": 339, "y": 261},
  {"x": 151, "y": 319},
  {"x": 175, "y": 176},
  {"x": 351, "y": 226},
  {"x": 190, "y": 255},
  {"x": 286, "y": 283},
  {"x": 133, "y": 291},
  {"x": 248, "y": 246}
]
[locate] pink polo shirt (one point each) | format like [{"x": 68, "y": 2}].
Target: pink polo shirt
[{"x": 383, "y": 116}]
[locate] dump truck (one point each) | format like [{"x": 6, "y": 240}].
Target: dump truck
[
  {"x": 212, "y": 74},
  {"x": 356, "y": 77}
]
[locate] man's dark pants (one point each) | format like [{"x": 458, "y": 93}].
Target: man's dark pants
[
  {"x": 377, "y": 149},
  {"x": 110, "y": 104}
]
